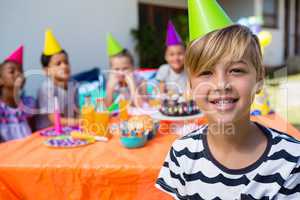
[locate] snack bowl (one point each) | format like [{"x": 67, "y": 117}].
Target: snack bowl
[{"x": 131, "y": 142}]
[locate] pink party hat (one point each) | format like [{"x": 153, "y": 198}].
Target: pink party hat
[
  {"x": 173, "y": 37},
  {"x": 16, "y": 56}
]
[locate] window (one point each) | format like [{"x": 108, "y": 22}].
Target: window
[{"x": 270, "y": 13}]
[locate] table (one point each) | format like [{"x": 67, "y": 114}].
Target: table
[{"x": 30, "y": 170}]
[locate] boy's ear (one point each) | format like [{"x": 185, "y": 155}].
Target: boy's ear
[
  {"x": 46, "y": 70},
  {"x": 1, "y": 82},
  {"x": 260, "y": 82},
  {"x": 259, "y": 86},
  {"x": 165, "y": 55}
]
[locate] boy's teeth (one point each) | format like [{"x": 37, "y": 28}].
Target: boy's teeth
[{"x": 224, "y": 101}]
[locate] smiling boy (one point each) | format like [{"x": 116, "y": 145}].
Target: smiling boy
[{"x": 230, "y": 157}]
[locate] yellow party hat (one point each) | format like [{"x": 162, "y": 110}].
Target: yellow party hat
[{"x": 51, "y": 45}]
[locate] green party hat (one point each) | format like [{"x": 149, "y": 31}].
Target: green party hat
[
  {"x": 113, "y": 46},
  {"x": 205, "y": 16}
]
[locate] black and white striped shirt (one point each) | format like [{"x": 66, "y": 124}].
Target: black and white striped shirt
[{"x": 190, "y": 171}]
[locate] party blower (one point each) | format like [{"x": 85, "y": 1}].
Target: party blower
[{"x": 57, "y": 122}]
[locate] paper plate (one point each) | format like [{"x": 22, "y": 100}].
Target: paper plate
[
  {"x": 66, "y": 142},
  {"x": 51, "y": 132}
]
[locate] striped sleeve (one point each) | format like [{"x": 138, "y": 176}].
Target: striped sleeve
[
  {"x": 170, "y": 179},
  {"x": 291, "y": 187}
]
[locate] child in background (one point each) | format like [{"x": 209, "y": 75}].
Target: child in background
[
  {"x": 122, "y": 78},
  {"x": 14, "y": 113},
  {"x": 171, "y": 76},
  {"x": 55, "y": 62},
  {"x": 231, "y": 157}
]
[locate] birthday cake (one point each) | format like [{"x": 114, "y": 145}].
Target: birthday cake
[{"x": 178, "y": 105}]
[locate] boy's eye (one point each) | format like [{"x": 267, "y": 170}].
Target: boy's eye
[
  {"x": 205, "y": 73},
  {"x": 237, "y": 71}
]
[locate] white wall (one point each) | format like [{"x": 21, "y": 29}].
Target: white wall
[{"x": 80, "y": 26}]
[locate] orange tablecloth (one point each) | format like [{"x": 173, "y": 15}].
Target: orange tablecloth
[{"x": 30, "y": 170}]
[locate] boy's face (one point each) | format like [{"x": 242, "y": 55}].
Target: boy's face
[
  {"x": 121, "y": 66},
  {"x": 59, "y": 68},
  {"x": 225, "y": 93},
  {"x": 175, "y": 57},
  {"x": 11, "y": 75}
]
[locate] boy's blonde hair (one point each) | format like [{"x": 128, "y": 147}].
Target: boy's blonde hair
[{"x": 235, "y": 42}]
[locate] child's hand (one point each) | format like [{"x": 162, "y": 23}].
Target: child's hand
[
  {"x": 112, "y": 80},
  {"x": 129, "y": 79},
  {"x": 19, "y": 82},
  {"x": 110, "y": 87}
]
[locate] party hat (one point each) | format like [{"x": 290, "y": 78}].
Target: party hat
[
  {"x": 51, "y": 45},
  {"x": 205, "y": 16},
  {"x": 173, "y": 38},
  {"x": 16, "y": 56},
  {"x": 113, "y": 46}
]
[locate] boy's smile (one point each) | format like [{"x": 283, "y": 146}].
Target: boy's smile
[
  {"x": 225, "y": 91},
  {"x": 223, "y": 103}
]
